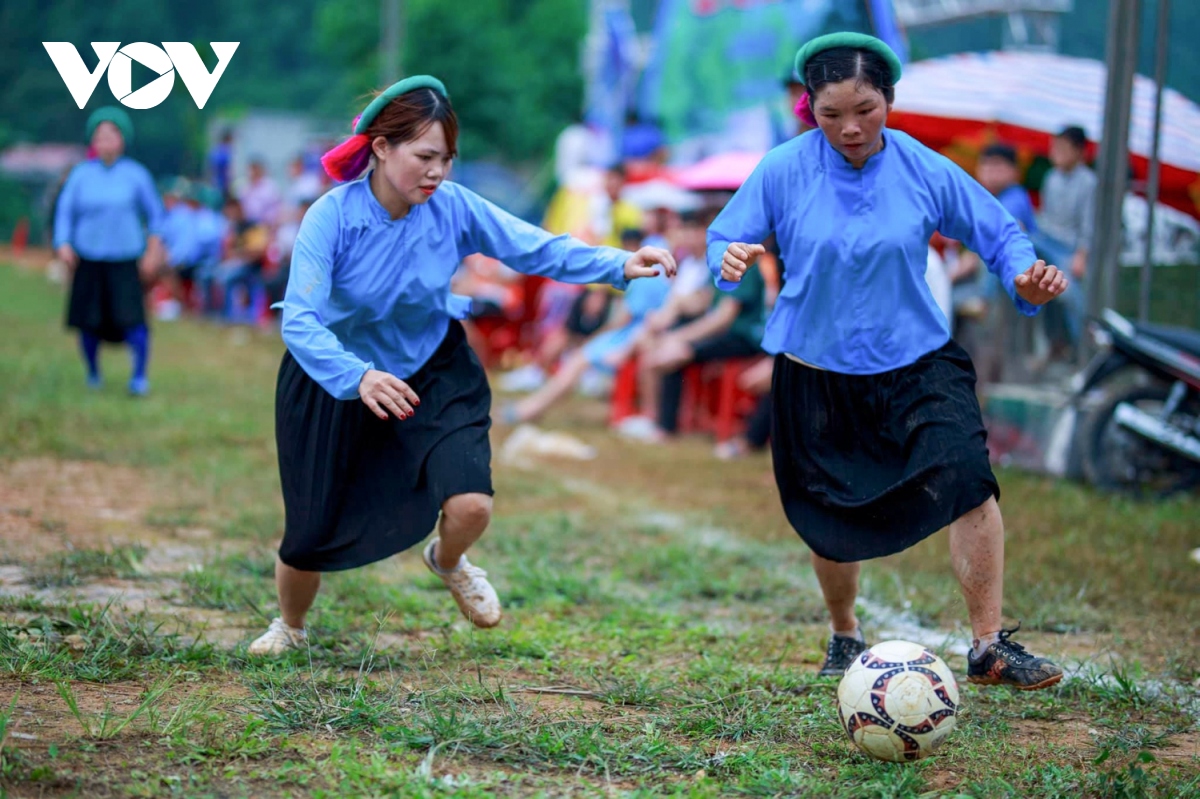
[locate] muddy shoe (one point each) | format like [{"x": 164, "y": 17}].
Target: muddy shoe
[
  {"x": 1007, "y": 663},
  {"x": 278, "y": 639},
  {"x": 840, "y": 654},
  {"x": 474, "y": 594}
]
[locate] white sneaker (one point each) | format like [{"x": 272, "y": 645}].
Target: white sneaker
[
  {"x": 474, "y": 594},
  {"x": 278, "y": 639},
  {"x": 527, "y": 378},
  {"x": 639, "y": 428}
]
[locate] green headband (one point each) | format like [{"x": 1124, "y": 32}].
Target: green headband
[
  {"x": 392, "y": 92},
  {"x": 858, "y": 41},
  {"x": 117, "y": 116}
]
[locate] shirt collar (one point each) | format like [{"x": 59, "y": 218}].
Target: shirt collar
[
  {"x": 837, "y": 162},
  {"x": 371, "y": 210}
]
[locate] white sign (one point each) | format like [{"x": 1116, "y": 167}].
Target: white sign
[{"x": 172, "y": 57}]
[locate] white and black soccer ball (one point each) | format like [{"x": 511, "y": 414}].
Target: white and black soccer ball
[{"x": 898, "y": 701}]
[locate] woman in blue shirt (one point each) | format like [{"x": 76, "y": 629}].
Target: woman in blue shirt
[
  {"x": 878, "y": 439},
  {"x": 106, "y": 207},
  {"x": 382, "y": 409}
]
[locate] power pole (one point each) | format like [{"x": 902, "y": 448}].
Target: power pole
[
  {"x": 1160, "y": 80},
  {"x": 391, "y": 37},
  {"x": 1113, "y": 164}
]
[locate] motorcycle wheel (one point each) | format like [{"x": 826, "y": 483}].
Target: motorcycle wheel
[{"x": 1118, "y": 459}]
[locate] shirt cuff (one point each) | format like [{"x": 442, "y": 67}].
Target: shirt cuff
[
  {"x": 726, "y": 285},
  {"x": 1026, "y": 308}
]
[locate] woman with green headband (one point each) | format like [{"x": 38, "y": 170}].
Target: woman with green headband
[
  {"x": 107, "y": 230},
  {"x": 877, "y": 436},
  {"x": 382, "y": 409}
]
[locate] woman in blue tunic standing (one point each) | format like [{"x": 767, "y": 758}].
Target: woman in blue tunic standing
[
  {"x": 107, "y": 228},
  {"x": 877, "y": 436},
  {"x": 382, "y": 409}
]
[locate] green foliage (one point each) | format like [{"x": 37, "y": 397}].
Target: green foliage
[{"x": 512, "y": 68}]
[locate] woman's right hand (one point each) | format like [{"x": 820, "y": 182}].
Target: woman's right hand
[
  {"x": 384, "y": 393},
  {"x": 66, "y": 254},
  {"x": 738, "y": 258}
]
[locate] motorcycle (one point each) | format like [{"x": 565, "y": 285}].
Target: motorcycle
[{"x": 1144, "y": 436}]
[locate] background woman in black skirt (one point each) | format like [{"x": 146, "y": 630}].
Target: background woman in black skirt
[
  {"x": 104, "y": 211},
  {"x": 877, "y": 435},
  {"x": 382, "y": 409}
]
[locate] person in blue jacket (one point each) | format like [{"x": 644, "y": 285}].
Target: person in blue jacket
[
  {"x": 107, "y": 230},
  {"x": 877, "y": 435},
  {"x": 382, "y": 409}
]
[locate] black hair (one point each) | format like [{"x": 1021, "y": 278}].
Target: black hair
[
  {"x": 999, "y": 150},
  {"x": 692, "y": 218},
  {"x": 1075, "y": 135},
  {"x": 848, "y": 63}
]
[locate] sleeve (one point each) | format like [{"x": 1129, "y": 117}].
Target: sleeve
[
  {"x": 314, "y": 346},
  {"x": 487, "y": 229},
  {"x": 151, "y": 203},
  {"x": 64, "y": 211},
  {"x": 748, "y": 218},
  {"x": 970, "y": 214}
]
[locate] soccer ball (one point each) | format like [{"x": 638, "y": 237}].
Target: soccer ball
[{"x": 898, "y": 701}]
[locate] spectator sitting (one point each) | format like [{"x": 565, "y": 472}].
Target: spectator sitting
[
  {"x": 261, "y": 200},
  {"x": 606, "y": 350},
  {"x": 732, "y": 328},
  {"x": 304, "y": 184},
  {"x": 245, "y": 247},
  {"x": 589, "y": 311}
]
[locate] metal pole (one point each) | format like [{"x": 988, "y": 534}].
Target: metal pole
[
  {"x": 1113, "y": 164},
  {"x": 1160, "y": 80},
  {"x": 391, "y": 22}
]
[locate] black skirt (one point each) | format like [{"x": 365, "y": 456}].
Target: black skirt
[
  {"x": 106, "y": 299},
  {"x": 869, "y": 465},
  {"x": 357, "y": 489}
]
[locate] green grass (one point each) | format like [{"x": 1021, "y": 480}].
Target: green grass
[{"x": 661, "y": 633}]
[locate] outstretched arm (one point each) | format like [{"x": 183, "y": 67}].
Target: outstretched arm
[
  {"x": 527, "y": 248},
  {"x": 972, "y": 215}
]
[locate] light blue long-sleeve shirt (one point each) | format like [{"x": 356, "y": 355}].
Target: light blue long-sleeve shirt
[
  {"x": 104, "y": 212},
  {"x": 855, "y": 245},
  {"x": 369, "y": 292}
]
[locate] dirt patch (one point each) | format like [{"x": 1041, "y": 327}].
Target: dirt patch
[
  {"x": 1069, "y": 732},
  {"x": 48, "y": 505}
]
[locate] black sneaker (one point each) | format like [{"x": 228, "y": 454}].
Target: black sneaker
[
  {"x": 841, "y": 653},
  {"x": 1007, "y": 663}
]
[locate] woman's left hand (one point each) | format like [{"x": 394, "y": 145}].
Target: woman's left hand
[
  {"x": 640, "y": 264},
  {"x": 1040, "y": 283}
]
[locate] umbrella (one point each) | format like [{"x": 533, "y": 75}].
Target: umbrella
[
  {"x": 1024, "y": 98},
  {"x": 661, "y": 193},
  {"x": 724, "y": 171}
]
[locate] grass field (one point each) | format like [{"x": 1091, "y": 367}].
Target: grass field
[{"x": 661, "y": 635}]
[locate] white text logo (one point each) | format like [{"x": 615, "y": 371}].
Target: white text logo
[{"x": 165, "y": 61}]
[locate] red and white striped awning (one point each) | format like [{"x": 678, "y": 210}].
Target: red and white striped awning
[{"x": 1025, "y": 97}]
